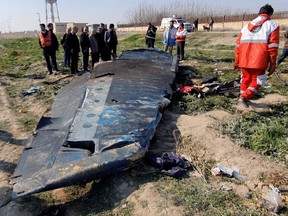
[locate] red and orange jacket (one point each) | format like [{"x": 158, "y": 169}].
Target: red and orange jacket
[
  {"x": 45, "y": 40},
  {"x": 181, "y": 35},
  {"x": 257, "y": 44}
]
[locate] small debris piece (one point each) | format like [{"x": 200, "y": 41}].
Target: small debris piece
[
  {"x": 216, "y": 171},
  {"x": 221, "y": 169},
  {"x": 226, "y": 186},
  {"x": 22, "y": 110},
  {"x": 225, "y": 170},
  {"x": 31, "y": 91},
  {"x": 218, "y": 72},
  {"x": 248, "y": 196},
  {"x": 272, "y": 201}
]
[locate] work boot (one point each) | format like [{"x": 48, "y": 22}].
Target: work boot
[{"x": 244, "y": 102}]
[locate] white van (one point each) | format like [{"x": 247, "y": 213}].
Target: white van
[{"x": 166, "y": 22}]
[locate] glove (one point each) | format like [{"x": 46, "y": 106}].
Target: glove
[
  {"x": 271, "y": 69},
  {"x": 236, "y": 67}
]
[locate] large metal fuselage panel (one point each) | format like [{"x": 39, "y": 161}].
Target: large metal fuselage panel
[{"x": 100, "y": 123}]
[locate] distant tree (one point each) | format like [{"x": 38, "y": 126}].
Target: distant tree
[{"x": 145, "y": 13}]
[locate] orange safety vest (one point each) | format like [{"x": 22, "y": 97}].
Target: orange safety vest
[{"x": 47, "y": 40}]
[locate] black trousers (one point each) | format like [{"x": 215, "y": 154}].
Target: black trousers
[
  {"x": 150, "y": 42},
  {"x": 283, "y": 56},
  {"x": 74, "y": 62},
  {"x": 47, "y": 56},
  {"x": 53, "y": 59},
  {"x": 85, "y": 60},
  {"x": 95, "y": 58},
  {"x": 105, "y": 55},
  {"x": 113, "y": 51},
  {"x": 180, "y": 50}
]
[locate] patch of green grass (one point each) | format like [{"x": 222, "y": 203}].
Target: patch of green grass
[
  {"x": 277, "y": 86},
  {"x": 132, "y": 42},
  {"x": 19, "y": 53},
  {"x": 264, "y": 132},
  {"x": 222, "y": 47},
  {"x": 134, "y": 37},
  {"x": 201, "y": 199},
  {"x": 193, "y": 105},
  {"x": 229, "y": 75},
  {"x": 211, "y": 57},
  {"x": 4, "y": 125},
  {"x": 28, "y": 121},
  {"x": 196, "y": 40}
]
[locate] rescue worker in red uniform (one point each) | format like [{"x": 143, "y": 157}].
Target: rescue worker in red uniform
[
  {"x": 45, "y": 41},
  {"x": 180, "y": 40},
  {"x": 256, "y": 51}
]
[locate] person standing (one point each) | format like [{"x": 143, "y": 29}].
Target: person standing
[
  {"x": 94, "y": 47},
  {"x": 211, "y": 22},
  {"x": 285, "y": 49},
  {"x": 103, "y": 48},
  {"x": 85, "y": 45},
  {"x": 45, "y": 42},
  {"x": 180, "y": 40},
  {"x": 55, "y": 47},
  {"x": 100, "y": 41},
  {"x": 111, "y": 41},
  {"x": 74, "y": 49},
  {"x": 169, "y": 37},
  {"x": 256, "y": 49},
  {"x": 150, "y": 35},
  {"x": 196, "y": 21},
  {"x": 64, "y": 45}
]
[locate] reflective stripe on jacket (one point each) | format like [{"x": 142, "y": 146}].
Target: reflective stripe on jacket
[
  {"x": 181, "y": 35},
  {"x": 257, "y": 44},
  {"x": 46, "y": 40}
]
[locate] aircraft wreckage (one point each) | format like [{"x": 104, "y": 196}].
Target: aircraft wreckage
[{"x": 101, "y": 123}]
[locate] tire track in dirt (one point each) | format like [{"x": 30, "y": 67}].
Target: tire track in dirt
[
  {"x": 7, "y": 118},
  {"x": 10, "y": 145}
]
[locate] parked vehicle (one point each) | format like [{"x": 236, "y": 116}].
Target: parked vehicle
[{"x": 165, "y": 23}]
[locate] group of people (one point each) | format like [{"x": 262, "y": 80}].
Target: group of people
[
  {"x": 172, "y": 36},
  {"x": 256, "y": 48},
  {"x": 101, "y": 43}
]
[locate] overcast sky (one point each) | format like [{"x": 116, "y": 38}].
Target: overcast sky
[{"x": 23, "y": 14}]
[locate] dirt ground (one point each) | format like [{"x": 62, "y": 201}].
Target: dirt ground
[{"x": 197, "y": 128}]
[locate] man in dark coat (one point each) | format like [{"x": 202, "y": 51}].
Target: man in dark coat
[
  {"x": 104, "y": 50},
  {"x": 196, "y": 24},
  {"x": 74, "y": 49},
  {"x": 94, "y": 47},
  {"x": 55, "y": 47},
  {"x": 111, "y": 42},
  {"x": 100, "y": 41},
  {"x": 85, "y": 45},
  {"x": 150, "y": 35},
  {"x": 64, "y": 45}
]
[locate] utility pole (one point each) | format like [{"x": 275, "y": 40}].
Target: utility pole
[
  {"x": 9, "y": 24},
  {"x": 39, "y": 19}
]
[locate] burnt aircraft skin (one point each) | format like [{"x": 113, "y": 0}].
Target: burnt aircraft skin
[{"x": 101, "y": 123}]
